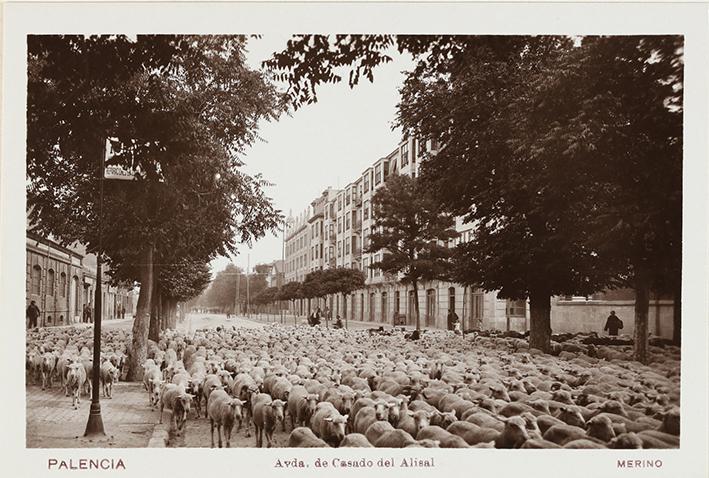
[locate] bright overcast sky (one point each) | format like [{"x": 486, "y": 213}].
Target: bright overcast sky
[{"x": 328, "y": 143}]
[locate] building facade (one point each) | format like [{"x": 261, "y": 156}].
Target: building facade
[
  {"x": 334, "y": 231},
  {"x": 62, "y": 280}
]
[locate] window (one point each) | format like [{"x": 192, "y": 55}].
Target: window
[
  {"x": 372, "y": 306},
  {"x": 365, "y": 266},
  {"x": 516, "y": 308},
  {"x": 339, "y": 203},
  {"x": 385, "y": 306},
  {"x": 366, "y": 182},
  {"x": 422, "y": 147},
  {"x": 365, "y": 210},
  {"x": 36, "y": 279},
  {"x": 386, "y": 170},
  {"x": 339, "y": 248},
  {"x": 348, "y": 197},
  {"x": 347, "y": 223},
  {"x": 404, "y": 154},
  {"x": 50, "y": 282},
  {"x": 430, "y": 306},
  {"x": 451, "y": 298},
  {"x": 347, "y": 246},
  {"x": 62, "y": 284},
  {"x": 397, "y": 301},
  {"x": 339, "y": 225},
  {"x": 377, "y": 174},
  {"x": 413, "y": 151}
]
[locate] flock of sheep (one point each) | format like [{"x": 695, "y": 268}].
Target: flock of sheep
[{"x": 340, "y": 388}]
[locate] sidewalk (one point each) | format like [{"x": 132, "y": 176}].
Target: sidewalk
[{"x": 53, "y": 423}]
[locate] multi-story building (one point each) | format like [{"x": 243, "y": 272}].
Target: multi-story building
[
  {"x": 62, "y": 280},
  {"x": 334, "y": 232}
]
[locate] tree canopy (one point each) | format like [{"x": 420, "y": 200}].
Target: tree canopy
[{"x": 184, "y": 109}]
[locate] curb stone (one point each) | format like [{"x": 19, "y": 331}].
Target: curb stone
[{"x": 159, "y": 437}]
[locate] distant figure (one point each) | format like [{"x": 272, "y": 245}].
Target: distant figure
[
  {"x": 32, "y": 313},
  {"x": 613, "y": 324},
  {"x": 338, "y": 322},
  {"x": 327, "y": 313},
  {"x": 452, "y": 319},
  {"x": 123, "y": 311},
  {"x": 87, "y": 313}
]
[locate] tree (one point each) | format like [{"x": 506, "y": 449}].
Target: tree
[
  {"x": 266, "y": 296},
  {"x": 311, "y": 286},
  {"x": 630, "y": 122},
  {"x": 342, "y": 280},
  {"x": 413, "y": 231},
  {"x": 291, "y": 291},
  {"x": 183, "y": 108}
]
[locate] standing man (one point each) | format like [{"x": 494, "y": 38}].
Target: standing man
[
  {"x": 32, "y": 313},
  {"x": 452, "y": 319},
  {"x": 87, "y": 313},
  {"x": 613, "y": 324}
]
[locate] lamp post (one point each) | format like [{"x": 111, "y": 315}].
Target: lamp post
[{"x": 94, "y": 425}]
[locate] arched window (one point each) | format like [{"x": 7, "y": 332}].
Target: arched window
[
  {"x": 62, "y": 284},
  {"x": 36, "y": 280},
  {"x": 451, "y": 298},
  {"x": 50, "y": 282}
]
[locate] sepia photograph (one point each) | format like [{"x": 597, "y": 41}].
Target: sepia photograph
[
  {"x": 353, "y": 238},
  {"x": 506, "y": 274}
]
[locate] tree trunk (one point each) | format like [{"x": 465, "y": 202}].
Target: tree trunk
[
  {"x": 139, "y": 342},
  {"x": 414, "y": 284},
  {"x": 540, "y": 321},
  {"x": 642, "y": 306},
  {"x": 155, "y": 316},
  {"x": 677, "y": 314}
]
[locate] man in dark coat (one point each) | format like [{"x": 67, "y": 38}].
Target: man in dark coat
[
  {"x": 32, "y": 314},
  {"x": 613, "y": 324},
  {"x": 452, "y": 319},
  {"x": 87, "y": 313}
]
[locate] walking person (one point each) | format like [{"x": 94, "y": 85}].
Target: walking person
[
  {"x": 32, "y": 313},
  {"x": 613, "y": 324}
]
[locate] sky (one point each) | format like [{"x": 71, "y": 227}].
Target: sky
[{"x": 329, "y": 143}]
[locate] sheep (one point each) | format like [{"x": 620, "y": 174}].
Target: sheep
[
  {"x": 303, "y": 437},
  {"x": 223, "y": 411},
  {"x": 446, "y": 438},
  {"x": 301, "y": 406},
  {"x": 328, "y": 424},
  {"x": 76, "y": 376},
  {"x": 355, "y": 440},
  {"x": 178, "y": 400},
  {"x": 471, "y": 433},
  {"x": 109, "y": 376},
  {"x": 266, "y": 414}
]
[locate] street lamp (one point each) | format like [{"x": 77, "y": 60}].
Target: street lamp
[{"x": 94, "y": 425}]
